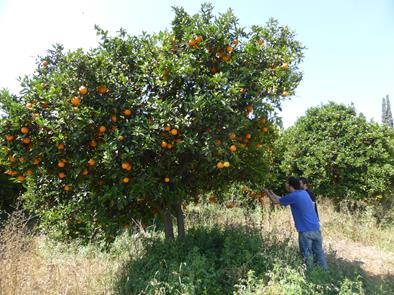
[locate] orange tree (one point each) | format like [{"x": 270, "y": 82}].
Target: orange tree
[{"x": 143, "y": 124}]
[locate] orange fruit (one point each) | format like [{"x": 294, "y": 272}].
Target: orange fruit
[
  {"x": 126, "y": 180},
  {"x": 61, "y": 164},
  {"x": 126, "y": 166},
  {"x": 9, "y": 138},
  {"x": 226, "y": 57},
  {"x": 163, "y": 144},
  {"x": 265, "y": 129},
  {"x": 166, "y": 179},
  {"x": 66, "y": 187},
  {"x": 121, "y": 138},
  {"x": 36, "y": 162},
  {"x": 29, "y": 172},
  {"x": 233, "y": 148},
  {"x": 60, "y": 146},
  {"x": 24, "y": 130},
  {"x": 102, "y": 89},
  {"x": 44, "y": 63},
  {"x": 168, "y": 128},
  {"x": 174, "y": 132},
  {"x": 83, "y": 90},
  {"x": 92, "y": 162},
  {"x": 75, "y": 101},
  {"x": 21, "y": 178},
  {"x": 248, "y": 136},
  {"x": 218, "y": 142},
  {"x": 226, "y": 164},
  {"x": 233, "y": 136},
  {"x": 93, "y": 143},
  {"x": 26, "y": 140},
  {"x": 102, "y": 129},
  {"x": 220, "y": 165},
  {"x": 285, "y": 66},
  {"x": 61, "y": 175},
  {"x": 198, "y": 39},
  {"x": 249, "y": 108},
  {"x": 259, "y": 145},
  {"x": 285, "y": 93},
  {"x": 11, "y": 159},
  {"x": 114, "y": 118},
  {"x": 169, "y": 146},
  {"x": 229, "y": 49},
  {"x": 192, "y": 42},
  {"x": 85, "y": 172},
  {"x": 75, "y": 109},
  {"x": 127, "y": 112},
  {"x": 235, "y": 42}
]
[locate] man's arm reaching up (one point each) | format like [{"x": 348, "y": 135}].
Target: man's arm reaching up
[{"x": 274, "y": 198}]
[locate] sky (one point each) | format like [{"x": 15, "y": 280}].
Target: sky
[{"x": 349, "y": 56}]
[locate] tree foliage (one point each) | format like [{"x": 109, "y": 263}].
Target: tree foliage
[
  {"x": 142, "y": 124},
  {"x": 344, "y": 155}
]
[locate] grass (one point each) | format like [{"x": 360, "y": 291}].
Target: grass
[{"x": 226, "y": 251}]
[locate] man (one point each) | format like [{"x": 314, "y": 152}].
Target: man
[
  {"x": 306, "y": 221},
  {"x": 305, "y": 186}
]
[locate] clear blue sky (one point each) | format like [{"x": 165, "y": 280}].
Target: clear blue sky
[{"x": 350, "y": 43}]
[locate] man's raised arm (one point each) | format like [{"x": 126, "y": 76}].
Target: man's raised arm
[{"x": 274, "y": 198}]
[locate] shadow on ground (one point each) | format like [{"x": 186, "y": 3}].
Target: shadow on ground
[{"x": 212, "y": 261}]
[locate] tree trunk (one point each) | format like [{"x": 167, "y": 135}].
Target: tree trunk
[
  {"x": 180, "y": 218},
  {"x": 168, "y": 228}
]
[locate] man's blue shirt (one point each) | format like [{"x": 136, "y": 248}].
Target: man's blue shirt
[{"x": 302, "y": 209}]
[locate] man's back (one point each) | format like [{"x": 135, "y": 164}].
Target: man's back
[
  {"x": 302, "y": 209},
  {"x": 313, "y": 198}
]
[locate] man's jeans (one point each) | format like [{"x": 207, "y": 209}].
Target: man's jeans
[{"x": 311, "y": 247}]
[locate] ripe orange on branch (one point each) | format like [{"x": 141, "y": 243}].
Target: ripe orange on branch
[
  {"x": 102, "y": 129},
  {"x": 92, "y": 162},
  {"x": 26, "y": 140},
  {"x": 9, "y": 138},
  {"x": 24, "y": 130},
  {"x": 75, "y": 101},
  {"x": 127, "y": 112},
  {"x": 233, "y": 148},
  {"x": 61, "y": 146},
  {"x": 21, "y": 178},
  {"x": 61, "y": 163},
  {"x": 102, "y": 89},
  {"x": 83, "y": 90}
]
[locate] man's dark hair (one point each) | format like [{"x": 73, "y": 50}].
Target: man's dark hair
[
  {"x": 294, "y": 182},
  {"x": 304, "y": 180}
]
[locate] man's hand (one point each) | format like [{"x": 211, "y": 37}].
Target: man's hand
[{"x": 274, "y": 198}]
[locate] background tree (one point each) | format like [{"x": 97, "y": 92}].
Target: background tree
[
  {"x": 143, "y": 124},
  {"x": 344, "y": 156},
  {"x": 387, "y": 116}
]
